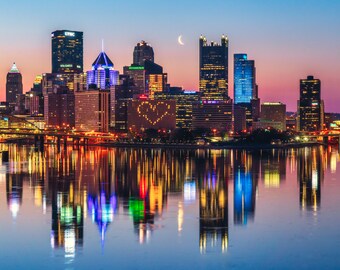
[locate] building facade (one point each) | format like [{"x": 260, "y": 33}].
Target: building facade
[
  {"x": 310, "y": 105},
  {"x": 67, "y": 51},
  {"x": 213, "y": 115},
  {"x": 273, "y": 114},
  {"x": 92, "y": 110},
  {"x": 155, "y": 114},
  {"x": 213, "y": 64}
]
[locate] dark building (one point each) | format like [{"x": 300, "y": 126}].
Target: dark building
[
  {"x": 67, "y": 51},
  {"x": 59, "y": 109},
  {"x": 310, "y": 105},
  {"x": 213, "y": 69},
  {"x": 239, "y": 119},
  {"x": 120, "y": 95},
  {"x": 143, "y": 51},
  {"x": 13, "y": 85},
  {"x": 213, "y": 115}
]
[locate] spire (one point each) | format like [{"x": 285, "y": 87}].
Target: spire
[
  {"x": 102, "y": 45},
  {"x": 14, "y": 69}
]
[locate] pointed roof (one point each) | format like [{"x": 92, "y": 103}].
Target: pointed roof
[
  {"x": 14, "y": 69},
  {"x": 102, "y": 60}
]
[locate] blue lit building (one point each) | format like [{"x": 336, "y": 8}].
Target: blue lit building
[
  {"x": 244, "y": 79},
  {"x": 102, "y": 75}
]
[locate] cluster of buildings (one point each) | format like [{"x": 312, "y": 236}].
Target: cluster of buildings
[{"x": 102, "y": 99}]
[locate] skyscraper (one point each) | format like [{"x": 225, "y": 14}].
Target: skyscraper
[
  {"x": 213, "y": 69},
  {"x": 102, "y": 74},
  {"x": 13, "y": 85},
  {"x": 143, "y": 51},
  {"x": 67, "y": 51},
  {"x": 310, "y": 105},
  {"x": 244, "y": 79}
]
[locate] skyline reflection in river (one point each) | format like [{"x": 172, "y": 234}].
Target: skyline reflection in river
[{"x": 199, "y": 204}]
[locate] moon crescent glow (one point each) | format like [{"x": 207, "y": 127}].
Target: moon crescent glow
[{"x": 180, "y": 41}]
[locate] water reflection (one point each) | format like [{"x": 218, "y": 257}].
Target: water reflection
[{"x": 102, "y": 184}]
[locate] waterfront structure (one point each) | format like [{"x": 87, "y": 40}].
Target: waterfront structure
[
  {"x": 310, "y": 105},
  {"x": 59, "y": 109},
  {"x": 102, "y": 75},
  {"x": 184, "y": 104},
  {"x": 67, "y": 51},
  {"x": 273, "y": 114},
  {"x": 213, "y": 69},
  {"x": 244, "y": 79},
  {"x": 213, "y": 115},
  {"x": 143, "y": 51},
  {"x": 92, "y": 110},
  {"x": 155, "y": 114},
  {"x": 13, "y": 85}
]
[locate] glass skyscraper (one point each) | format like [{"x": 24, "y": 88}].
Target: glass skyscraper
[
  {"x": 244, "y": 79},
  {"x": 213, "y": 69},
  {"x": 67, "y": 51}
]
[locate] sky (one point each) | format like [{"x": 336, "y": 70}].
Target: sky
[{"x": 288, "y": 39}]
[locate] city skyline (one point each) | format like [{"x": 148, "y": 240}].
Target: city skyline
[{"x": 309, "y": 46}]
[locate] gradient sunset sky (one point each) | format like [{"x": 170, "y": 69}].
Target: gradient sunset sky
[{"x": 287, "y": 39}]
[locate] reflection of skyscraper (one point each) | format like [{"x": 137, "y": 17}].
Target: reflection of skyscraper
[
  {"x": 67, "y": 209},
  {"x": 245, "y": 184},
  {"x": 14, "y": 184},
  {"x": 102, "y": 202},
  {"x": 310, "y": 173},
  {"x": 213, "y": 207}
]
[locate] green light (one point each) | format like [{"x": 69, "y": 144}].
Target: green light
[
  {"x": 136, "y": 209},
  {"x": 136, "y": 68},
  {"x": 66, "y": 215}
]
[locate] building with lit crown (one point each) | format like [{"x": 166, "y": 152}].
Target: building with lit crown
[
  {"x": 102, "y": 75},
  {"x": 67, "y": 51},
  {"x": 273, "y": 114},
  {"x": 213, "y": 64},
  {"x": 13, "y": 85}
]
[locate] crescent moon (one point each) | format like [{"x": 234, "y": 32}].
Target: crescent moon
[{"x": 180, "y": 41}]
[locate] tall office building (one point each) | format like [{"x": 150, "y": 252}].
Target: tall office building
[
  {"x": 143, "y": 51},
  {"x": 310, "y": 105},
  {"x": 67, "y": 51},
  {"x": 213, "y": 69},
  {"x": 92, "y": 110},
  {"x": 244, "y": 79},
  {"x": 102, "y": 75},
  {"x": 13, "y": 85}
]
